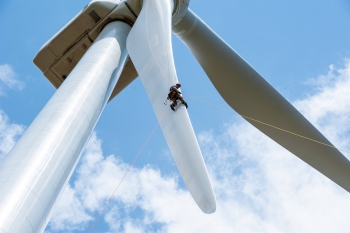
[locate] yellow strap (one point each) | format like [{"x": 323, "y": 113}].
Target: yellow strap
[{"x": 272, "y": 126}]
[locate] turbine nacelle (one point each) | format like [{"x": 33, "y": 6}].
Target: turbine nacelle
[{"x": 58, "y": 56}]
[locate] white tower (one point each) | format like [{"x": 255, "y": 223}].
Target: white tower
[{"x": 39, "y": 166}]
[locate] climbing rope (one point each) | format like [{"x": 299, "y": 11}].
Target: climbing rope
[
  {"x": 127, "y": 171},
  {"x": 272, "y": 126}
]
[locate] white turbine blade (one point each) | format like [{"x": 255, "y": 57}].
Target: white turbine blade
[
  {"x": 251, "y": 96},
  {"x": 149, "y": 46}
]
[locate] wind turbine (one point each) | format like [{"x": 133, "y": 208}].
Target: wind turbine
[{"x": 88, "y": 62}]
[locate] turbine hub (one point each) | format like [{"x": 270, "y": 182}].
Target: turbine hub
[{"x": 179, "y": 11}]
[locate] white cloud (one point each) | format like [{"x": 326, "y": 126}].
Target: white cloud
[
  {"x": 260, "y": 187},
  {"x": 8, "y": 78},
  {"x": 9, "y": 134},
  {"x": 330, "y": 107},
  {"x": 75, "y": 218}
]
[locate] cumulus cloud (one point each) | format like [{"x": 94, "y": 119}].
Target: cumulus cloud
[
  {"x": 8, "y": 78},
  {"x": 75, "y": 218},
  {"x": 260, "y": 187},
  {"x": 330, "y": 106},
  {"x": 97, "y": 178},
  {"x": 9, "y": 134}
]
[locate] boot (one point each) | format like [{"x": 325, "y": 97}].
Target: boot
[
  {"x": 172, "y": 108},
  {"x": 185, "y": 104}
]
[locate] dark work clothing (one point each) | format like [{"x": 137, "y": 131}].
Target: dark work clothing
[{"x": 174, "y": 95}]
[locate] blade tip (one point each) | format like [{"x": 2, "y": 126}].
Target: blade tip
[{"x": 208, "y": 208}]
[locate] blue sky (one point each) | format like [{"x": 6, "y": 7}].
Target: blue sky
[{"x": 301, "y": 47}]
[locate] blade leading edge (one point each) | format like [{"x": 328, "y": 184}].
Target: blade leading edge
[
  {"x": 251, "y": 96},
  {"x": 150, "y": 49}
]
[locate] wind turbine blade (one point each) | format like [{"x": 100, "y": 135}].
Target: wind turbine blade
[
  {"x": 251, "y": 96},
  {"x": 149, "y": 46}
]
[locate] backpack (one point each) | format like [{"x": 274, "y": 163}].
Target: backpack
[{"x": 172, "y": 88}]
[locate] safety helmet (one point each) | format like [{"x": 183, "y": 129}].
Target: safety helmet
[{"x": 178, "y": 84}]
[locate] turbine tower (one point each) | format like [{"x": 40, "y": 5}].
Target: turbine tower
[{"x": 88, "y": 62}]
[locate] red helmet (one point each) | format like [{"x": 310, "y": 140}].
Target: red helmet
[{"x": 178, "y": 84}]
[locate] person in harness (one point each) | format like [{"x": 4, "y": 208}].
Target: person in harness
[{"x": 174, "y": 95}]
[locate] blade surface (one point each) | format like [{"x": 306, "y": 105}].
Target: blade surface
[
  {"x": 149, "y": 46},
  {"x": 254, "y": 98}
]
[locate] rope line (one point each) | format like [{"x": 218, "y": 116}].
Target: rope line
[
  {"x": 127, "y": 171},
  {"x": 272, "y": 126}
]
